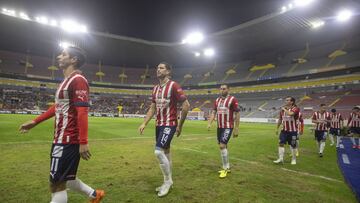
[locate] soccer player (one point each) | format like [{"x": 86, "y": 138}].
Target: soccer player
[
  {"x": 322, "y": 120},
  {"x": 288, "y": 118},
  {"x": 165, "y": 97},
  {"x": 337, "y": 122},
  {"x": 300, "y": 132},
  {"x": 354, "y": 124},
  {"x": 225, "y": 108},
  {"x": 71, "y": 129}
]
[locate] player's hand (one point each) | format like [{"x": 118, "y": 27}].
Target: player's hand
[
  {"x": 24, "y": 128},
  {"x": 141, "y": 128},
  {"x": 301, "y": 132},
  {"x": 236, "y": 132},
  {"x": 178, "y": 131},
  {"x": 208, "y": 127},
  {"x": 84, "y": 151}
]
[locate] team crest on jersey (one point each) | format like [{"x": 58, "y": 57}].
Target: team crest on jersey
[
  {"x": 162, "y": 103},
  {"x": 222, "y": 110}
]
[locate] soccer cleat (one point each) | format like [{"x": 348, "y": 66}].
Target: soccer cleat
[
  {"x": 228, "y": 170},
  {"x": 164, "y": 189},
  {"x": 320, "y": 155},
  {"x": 293, "y": 162},
  {"x": 99, "y": 195},
  {"x": 354, "y": 146},
  {"x": 223, "y": 173},
  {"x": 278, "y": 161}
]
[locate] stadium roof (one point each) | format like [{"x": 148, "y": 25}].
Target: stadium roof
[{"x": 136, "y": 33}]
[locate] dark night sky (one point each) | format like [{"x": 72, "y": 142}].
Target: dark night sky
[{"x": 154, "y": 20}]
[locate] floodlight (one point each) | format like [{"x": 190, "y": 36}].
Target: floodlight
[
  {"x": 24, "y": 16},
  {"x": 53, "y": 23},
  {"x": 42, "y": 20},
  {"x": 193, "y": 38},
  {"x": 197, "y": 54},
  {"x": 72, "y": 26},
  {"x": 209, "y": 52},
  {"x": 317, "y": 24},
  {"x": 65, "y": 45},
  {"x": 302, "y": 3},
  {"x": 9, "y": 12},
  {"x": 344, "y": 15}
]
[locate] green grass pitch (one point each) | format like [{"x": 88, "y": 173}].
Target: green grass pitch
[{"x": 124, "y": 165}]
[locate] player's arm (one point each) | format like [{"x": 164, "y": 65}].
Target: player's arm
[
  {"x": 237, "y": 123},
  {"x": 211, "y": 118},
  {"x": 148, "y": 117},
  {"x": 288, "y": 112},
  {"x": 24, "y": 128},
  {"x": 314, "y": 119},
  {"x": 80, "y": 97},
  {"x": 349, "y": 121},
  {"x": 301, "y": 130},
  {"x": 185, "y": 107},
  {"x": 341, "y": 122},
  {"x": 278, "y": 124}
]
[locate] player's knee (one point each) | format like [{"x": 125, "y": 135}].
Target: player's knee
[
  {"x": 222, "y": 146},
  {"x": 57, "y": 187},
  {"x": 281, "y": 144}
]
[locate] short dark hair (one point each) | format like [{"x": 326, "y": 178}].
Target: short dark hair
[
  {"x": 168, "y": 66},
  {"x": 333, "y": 110},
  {"x": 78, "y": 53},
  {"x": 321, "y": 105},
  {"x": 356, "y": 108}
]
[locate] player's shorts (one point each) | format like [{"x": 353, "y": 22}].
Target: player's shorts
[
  {"x": 64, "y": 162},
  {"x": 335, "y": 131},
  {"x": 223, "y": 135},
  {"x": 355, "y": 130},
  {"x": 320, "y": 135},
  {"x": 288, "y": 137},
  {"x": 164, "y": 135}
]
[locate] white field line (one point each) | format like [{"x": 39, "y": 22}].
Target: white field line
[
  {"x": 104, "y": 139},
  {"x": 285, "y": 169},
  {"x": 312, "y": 175}
]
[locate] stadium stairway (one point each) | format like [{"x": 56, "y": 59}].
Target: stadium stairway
[
  {"x": 254, "y": 111},
  {"x": 349, "y": 163},
  {"x": 338, "y": 99}
]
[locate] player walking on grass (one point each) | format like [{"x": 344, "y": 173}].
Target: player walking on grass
[
  {"x": 300, "y": 132},
  {"x": 71, "y": 129},
  {"x": 288, "y": 118},
  {"x": 354, "y": 125},
  {"x": 225, "y": 108},
  {"x": 165, "y": 97},
  {"x": 322, "y": 121},
  {"x": 337, "y": 122}
]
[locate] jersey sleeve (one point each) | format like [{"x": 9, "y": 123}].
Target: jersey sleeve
[
  {"x": 80, "y": 92},
  {"x": 296, "y": 111},
  {"x": 178, "y": 93},
  {"x": 235, "y": 105},
  {"x": 153, "y": 95},
  {"x": 215, "y": 106},
  {"x": 313, "y": 116}
]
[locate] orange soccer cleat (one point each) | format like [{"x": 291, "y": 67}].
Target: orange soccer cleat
[{"x": 99, "y": 195}]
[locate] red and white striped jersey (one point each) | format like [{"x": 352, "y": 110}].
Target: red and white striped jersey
[
  {"x": 336, "y": 118},
  {"x": 290, "y": 123},
  {"x": 72, "y": 92},
  {"x": 225, "y": 108},
  {"x": 166, "y": 98},
  {"x": 354, "y": 120},
  {"x": 325, "y": 116}
]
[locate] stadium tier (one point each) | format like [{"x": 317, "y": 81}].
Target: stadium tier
[{"x": 313, "y": 59}]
